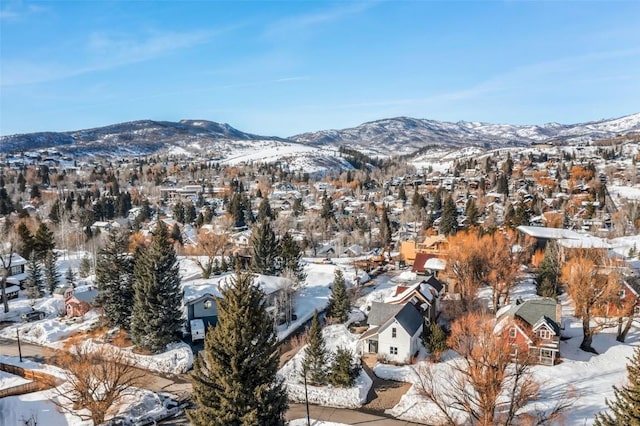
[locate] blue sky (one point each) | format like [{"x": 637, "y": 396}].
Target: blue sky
[{"x": 285, "y": 67}]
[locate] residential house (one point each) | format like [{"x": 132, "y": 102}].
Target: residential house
[
  {"x": 17, "y": 272},
  {"x": 12, "y": 291},
  {"x": 533, "y": 325},
  {"x": 80, "y": 303},
  {"x": 63, "y": 293},
  {"x": 422, "y": 294},
  {"x": 394, "y": 332},
  {"x": 204, "y": 308}
]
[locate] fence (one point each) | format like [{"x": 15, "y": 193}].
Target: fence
[{"x": 39, "y": 380}]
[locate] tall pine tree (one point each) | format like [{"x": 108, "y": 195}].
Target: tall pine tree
[
  {"x": 43, "y": 242},
  {"x": 33, "y": 285},
  {"x": 339, "y": 304},
  {"x": 157, "y": 314},
  {"x": 448, "y": 220},
  {"x": 314, "y": 364},
  {"x": 235, "y": 381},
  {"x": 51, "y": 274},
  {"x": 290, "y": 254},
  {"x": 625, "y": 407},
  {"x": 264, "y": 249},
  {"x": 114, "y": 280}
]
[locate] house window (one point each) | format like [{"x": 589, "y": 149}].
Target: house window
[
  {"x": 513, "y": 332},
  {"x": 622, "y": 294},
  {"x": 546, "y": 356},
  {"x": 15, "y": 270},
  {"x": 544, "y": 334},
  {"x": 636, "y": 310},
  {"x": 394, "y": 333},
  {"x": 207, "y": 304},
  {"x": 393, "y": 350}
]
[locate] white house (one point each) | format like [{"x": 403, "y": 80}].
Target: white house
[{"x": 394, "y": 332}]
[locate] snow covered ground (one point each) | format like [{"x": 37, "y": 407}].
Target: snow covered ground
[
  {"x": 314, "y": 422},
  {"x": 14, "y": 410},
  {"x": 335, "y": 336},
  {"x": 8, "y": 380}
]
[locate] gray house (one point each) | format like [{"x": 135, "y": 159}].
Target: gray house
[{"x": 204, "y": 308}]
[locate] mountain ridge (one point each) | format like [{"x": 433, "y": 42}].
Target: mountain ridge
[{"x": 384, "y": 137}]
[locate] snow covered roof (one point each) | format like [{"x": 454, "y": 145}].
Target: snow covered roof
[
  {"x": 435, "y": 264},
  {"x": 549, "y": 233},
  {"x": 584, "y": 242}
]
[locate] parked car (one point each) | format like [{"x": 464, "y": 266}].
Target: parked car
[{"x": 33, "y": 316}]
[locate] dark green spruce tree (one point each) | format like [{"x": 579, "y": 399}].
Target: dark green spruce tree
[
  {"x": 235, "y": 381},
  {"x": 157, "y": 314},
  {"x": 314, "y": 364},
  {"x": 547, "y": 280},
  {"x": 43, "y": 242},
  {"x": 26, "y": 241},
  {"x": 625, "y": 407},
  {"x": 344, "y": 370},
  {"x": 448, "y": 220},
  {"x": 114, "y": 280},
  {"x": 33, "y": 285},
  {"x": 264, "y": 249},
  {"x": 339, "y": 304},
  {"x": 290, "y": 255},
  {"x": 51, "y": 274}
]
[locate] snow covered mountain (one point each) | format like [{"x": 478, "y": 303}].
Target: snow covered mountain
[
  {"x": 139, "y": 137},
  {"x": 401, "y": 135},
  {"x": 405, "y": 135}
]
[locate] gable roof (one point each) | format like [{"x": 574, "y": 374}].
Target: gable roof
[
  {"x": 434, "y": 282},
  {"x": 382, "y": 312},
  {"x": 86, "y": 296},
  {"x": 409, "y": 318},
  {"x": 420, "y": 260},
  {"x": 534, "y": 312}
]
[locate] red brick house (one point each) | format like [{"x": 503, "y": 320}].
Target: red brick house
[
  {"x": 532, "y": 325},
  {"x": 80, "y": 303}
]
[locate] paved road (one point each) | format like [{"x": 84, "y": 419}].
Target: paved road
[{"x": 179, "y": 385}]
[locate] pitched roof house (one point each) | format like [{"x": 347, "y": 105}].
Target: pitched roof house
[
  {"x": 423, "y": 295},
  {"x": 535, "y": 325},
  {"x": 394, "y": 332}
]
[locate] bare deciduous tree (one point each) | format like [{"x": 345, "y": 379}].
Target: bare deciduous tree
[
  {"x": 592, "y": 284},
  {"x": 491, "y": 383},
  {"x": 97, "y": 381}
]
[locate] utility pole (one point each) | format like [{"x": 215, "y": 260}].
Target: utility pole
[{"x": 20, "y": 347}]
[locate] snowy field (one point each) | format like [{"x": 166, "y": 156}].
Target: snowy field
[
  {"x": 335, "y": 336},
  {"x": 9, "y": 380}
]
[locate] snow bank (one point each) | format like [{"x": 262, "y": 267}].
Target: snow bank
[
  {"x": 9, "y": 380},
  {"x": 335, "y": 336}
]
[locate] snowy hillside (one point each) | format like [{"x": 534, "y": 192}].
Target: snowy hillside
[{"x": 405, "y": 135}]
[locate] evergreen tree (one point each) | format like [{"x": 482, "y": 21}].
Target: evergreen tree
[
  {"x": 290, "y": 255},
  {"x": 235, "y": 381},
  {"x": 437, "y": 200},
  {"x": 314, "y": 364},
  {"x": 385, "y": 229},
  {"x": 549, "y": 272},
  {"x": 503, "y": 185},
  {"x": 114, "y": 280},
  {"x": 26, "y": 241},
  {"x": 402, "y": 194},
  {"x": 51, "y": 274},
  {"x": 298, "y": 208},
  {"x": 344, "y": 370},
  {"x": 33, "y": 285},
  {"x": 189, "y": 213},
  {"x": 70, "y": 278},
  {"x": 264, "y": 249},
  {"x": 327, "y": 212},
  {"x": 85, "y": 267},
  {"x": 43, "y": 242},
  {"x": 448, "y": 220},
  {"x": 176, "y": 234},
  {"x": 625, "y": 407},
  {"x": 156, "y": 313},
  {"x": 178, "y": 212},
  {"x": 339, "y": 304},
  {"x": 264, "y": 210},
  {"x": 436, "y": 340},
  {"x": 471, "y": 212}
]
